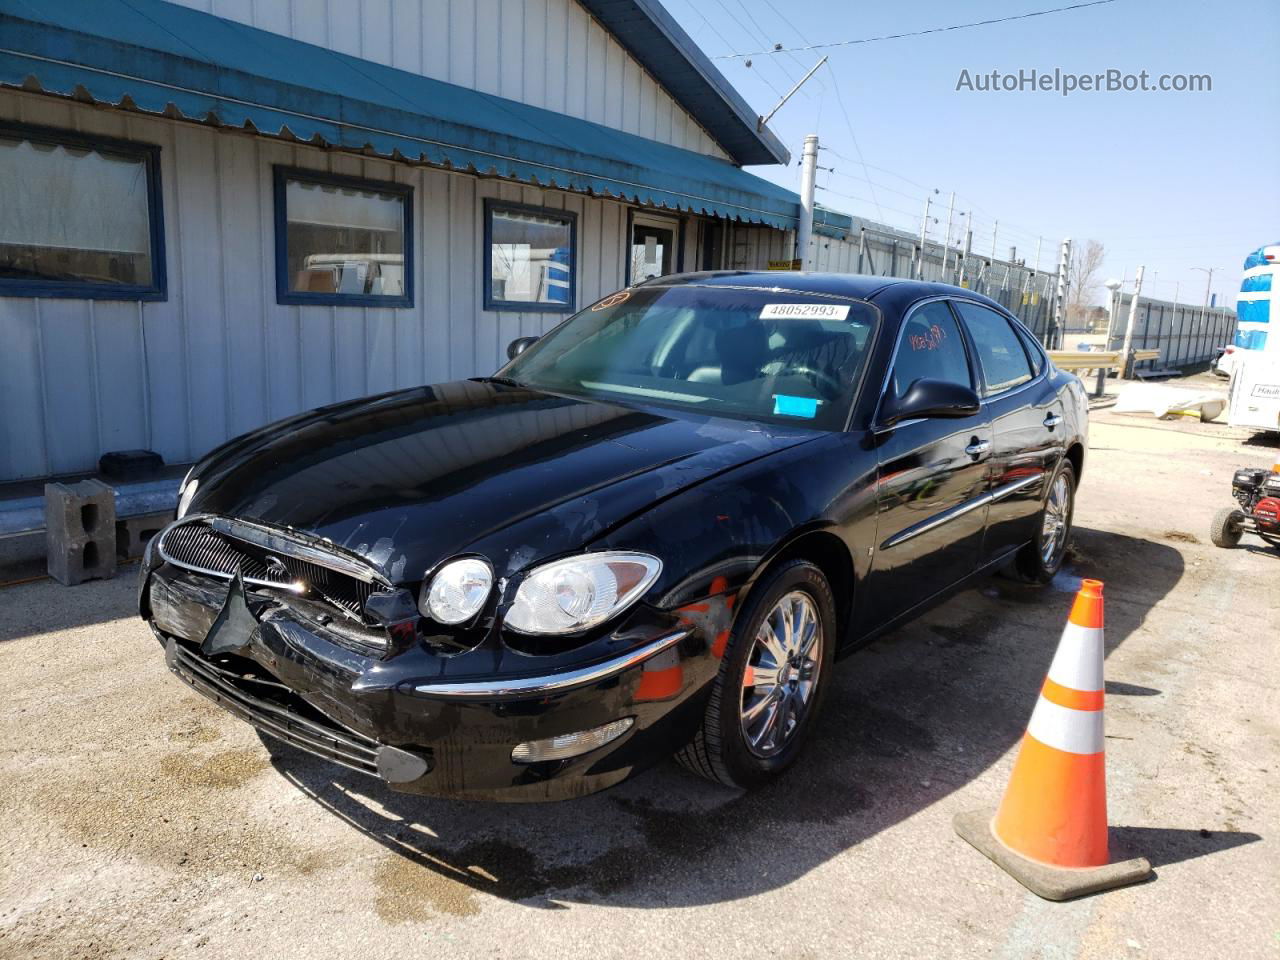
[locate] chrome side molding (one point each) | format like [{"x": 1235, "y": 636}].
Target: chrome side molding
[
  {"x": 552, "y": 682},
  {"x": 946, "y": 516}
]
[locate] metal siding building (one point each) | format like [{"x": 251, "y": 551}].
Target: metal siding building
[{"x": 216, "y": 353}]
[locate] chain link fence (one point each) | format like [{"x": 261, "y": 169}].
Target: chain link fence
[
  {"x": 872, "y": 248},
  {"x": 1184, "y": 334}
]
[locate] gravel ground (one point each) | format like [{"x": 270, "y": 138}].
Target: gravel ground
[{"x": 138, "y": 820}]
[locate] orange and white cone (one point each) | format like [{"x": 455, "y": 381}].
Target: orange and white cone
[{"x": 1050, "y": 831}]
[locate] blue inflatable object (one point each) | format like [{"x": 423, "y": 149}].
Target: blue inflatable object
[{"x": 1254, "y": 309}]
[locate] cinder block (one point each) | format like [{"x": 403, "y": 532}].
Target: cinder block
[
  {"x": 132, "y": 533},
  {"x": 80, "y": 531}
]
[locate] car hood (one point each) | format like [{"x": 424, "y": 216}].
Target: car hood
[{"x": 408, "y": 479}]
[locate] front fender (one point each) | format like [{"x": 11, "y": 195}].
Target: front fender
[{"x": 715, "y": 539}]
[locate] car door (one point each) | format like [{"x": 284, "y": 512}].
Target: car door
[
  {"x": 1026, "y": 414},
  {"x": 931, "y": 475}
]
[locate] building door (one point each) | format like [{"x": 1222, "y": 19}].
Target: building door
[{"x": 653, "y": 247}]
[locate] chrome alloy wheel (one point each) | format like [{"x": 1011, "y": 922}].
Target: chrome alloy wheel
[
  {"x": 781, "y": 674},
  {"x": 1057, "y": 517}
]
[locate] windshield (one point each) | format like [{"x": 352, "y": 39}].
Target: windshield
[{"x": 761, "y": 355}]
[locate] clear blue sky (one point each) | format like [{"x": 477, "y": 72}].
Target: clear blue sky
[{"x": 1169, "y": 180}]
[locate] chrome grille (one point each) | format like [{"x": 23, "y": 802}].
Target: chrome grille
[{"x": 196, "y": 546}]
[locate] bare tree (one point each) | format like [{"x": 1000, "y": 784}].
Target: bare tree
[{"x": 1085, "y": 278}]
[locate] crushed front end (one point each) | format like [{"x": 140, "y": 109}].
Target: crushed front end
[{"x": 318, "y": 648}]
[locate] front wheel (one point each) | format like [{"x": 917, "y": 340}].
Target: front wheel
[
  {"x": 1040, "y": 560},
  {"x": 1227, "y": 526},
  {"x": 771, "y": 682}
]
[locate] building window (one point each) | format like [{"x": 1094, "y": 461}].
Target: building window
[
  {"x": 529, "y": 258},
  {"x": 344, "y": 241},
  {"x": 80, "y": 216}
]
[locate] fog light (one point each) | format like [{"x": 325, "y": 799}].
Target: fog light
[{"x": 570, "y": 744}]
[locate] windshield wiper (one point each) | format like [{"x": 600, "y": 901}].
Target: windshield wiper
[{"x": 505, "y": 381}]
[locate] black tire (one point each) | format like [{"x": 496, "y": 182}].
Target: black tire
[
  {"x": 1227, "y": 527},
  {"x": 1030, "y": 564},
  {"x": 719, "y": 750}
]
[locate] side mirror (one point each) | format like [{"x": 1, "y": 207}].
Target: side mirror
[
  {"x": 519, "y": 345},
  {"x": 931, "y": 398}
]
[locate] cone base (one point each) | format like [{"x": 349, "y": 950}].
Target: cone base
[{"x": 1042, "y": 879}]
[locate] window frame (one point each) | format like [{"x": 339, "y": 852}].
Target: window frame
[
  {"x": 1035, "y": 353},
  {"x": 976, "y": 360},
  {"x": 970, "y": 359},
  {"x": 570, "y": 217},
  {"x": 284, "y": 295},
  {"x": 676, "y": 223},
  {"x": 149, "y": 154}
]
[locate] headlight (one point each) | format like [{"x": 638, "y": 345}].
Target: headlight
[
  {"x": 457, "y": 591},
  {"x": 185, "y": 494},
  {"x": 578, "y": 593}
]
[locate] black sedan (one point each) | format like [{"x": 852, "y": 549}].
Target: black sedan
[{"x": 653, "y": 532}]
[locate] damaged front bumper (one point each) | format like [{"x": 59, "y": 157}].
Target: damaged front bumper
[{"x": 426, "y": 723}]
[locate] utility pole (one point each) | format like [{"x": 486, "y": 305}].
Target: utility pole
[
  {"x": 1039, "y": 240},
  {"x": 994, "y": 230},
  {"x": 1181, "y": 333},
  {"x": 968, "y": 252},
  {"x": 924, "y": 234},
  {"x": 1060, "y": 296},
  {"x": 946, "y": 243},
  {"x": 1208, "y": 285},
  {"x": 808, "y": 176},
  {"x": 1125, "y": 358},
  {"x": 1113, "y": 304}
]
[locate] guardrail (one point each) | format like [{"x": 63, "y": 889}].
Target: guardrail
[{"x": 1100, "y": 360}]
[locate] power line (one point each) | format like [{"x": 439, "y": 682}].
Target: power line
[
  {"x": 794, "y": 29},
  {"x": 915, "y": 33},
  {"x": 753, "y": 37},
  {"x": 872, "y": 166},
  {"x": 914, "y": 217},
  {"x": 853, "y": 137},
  {"x": 712, "y": 27}
]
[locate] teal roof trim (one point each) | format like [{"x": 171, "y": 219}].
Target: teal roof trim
[
  {"x": 161, "y": 58},
  {"x": 831, "y": 223},
  {"x": 654, "y": 38}
]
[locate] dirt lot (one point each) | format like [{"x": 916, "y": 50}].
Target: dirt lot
[{"x": 140, "y": 821}]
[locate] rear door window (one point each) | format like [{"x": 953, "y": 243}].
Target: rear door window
[
  {"x": 1034, "y": 353},
  {"x": 1001, "y": 356},
  {"x": 930, "y": 347}
]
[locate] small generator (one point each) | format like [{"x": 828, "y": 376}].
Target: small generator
[{"x": 1257, "y": 491}]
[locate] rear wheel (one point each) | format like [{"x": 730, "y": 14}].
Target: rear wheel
[
  {"x": 1227, "y": 526},
  {"x": 1040, "y": 560},
  {"x": 771, "y": 681}
]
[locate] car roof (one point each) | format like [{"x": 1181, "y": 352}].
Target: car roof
[{"x": 893, "y": 291}]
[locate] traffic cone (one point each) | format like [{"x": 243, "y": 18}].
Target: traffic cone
[{"x": 1050, "y": 831}]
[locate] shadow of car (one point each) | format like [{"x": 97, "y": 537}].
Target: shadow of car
[{"x": 911, "y": 719}]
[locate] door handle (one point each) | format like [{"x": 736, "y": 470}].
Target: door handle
[
  {"x": 1052, "y": 420},
  {"x": 977, "y": 447}
]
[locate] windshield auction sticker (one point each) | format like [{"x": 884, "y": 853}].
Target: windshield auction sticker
[{"x": 805, "y": 311}]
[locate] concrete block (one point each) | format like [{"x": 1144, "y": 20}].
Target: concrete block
[
  {"x": 132, "y": 533},
  {"x": 80, "y": 531}
]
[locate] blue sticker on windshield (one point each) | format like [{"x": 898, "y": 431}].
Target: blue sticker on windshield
[{"x": 788, "y": 406}]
